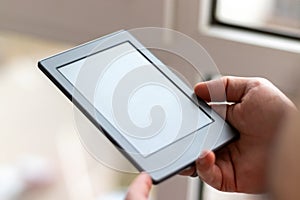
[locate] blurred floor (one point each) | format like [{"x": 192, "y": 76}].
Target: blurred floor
[{"x": 37, "y": 119}]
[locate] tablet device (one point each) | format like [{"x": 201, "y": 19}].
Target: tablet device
[{"x": 141, "y": 106}]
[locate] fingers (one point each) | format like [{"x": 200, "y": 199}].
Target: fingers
[
  {"x": 140, "y": 188},
  {"x": 208, "y": 171},
  {"x": 227, "y": 88},
  {"x": 188, "y": 171}
]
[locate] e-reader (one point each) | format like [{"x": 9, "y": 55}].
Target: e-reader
[{"x": 138, "y": 103}]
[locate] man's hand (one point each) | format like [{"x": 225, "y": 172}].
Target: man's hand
[
  {"x": 257, "y": 112},
  {"x": 140, "y": 188}
]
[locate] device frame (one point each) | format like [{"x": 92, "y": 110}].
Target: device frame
[{"x": 49, "y": 67}]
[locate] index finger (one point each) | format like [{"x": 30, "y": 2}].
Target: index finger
[{"x": 140, "y": 188}]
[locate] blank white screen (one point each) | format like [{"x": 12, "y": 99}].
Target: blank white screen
[{"x": 153, "y": 114}]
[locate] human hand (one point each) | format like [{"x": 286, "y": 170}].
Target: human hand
[
  {"x": 140, "y": 188},
  {"x": 257, "y": 113}
]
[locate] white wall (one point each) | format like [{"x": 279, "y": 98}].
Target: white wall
[{"x": 75, "y": 21}]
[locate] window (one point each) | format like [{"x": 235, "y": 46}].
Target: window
[{"x": 275, "y": 17}]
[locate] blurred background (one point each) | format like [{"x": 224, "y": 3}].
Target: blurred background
[{"x": 41, "y": 155}]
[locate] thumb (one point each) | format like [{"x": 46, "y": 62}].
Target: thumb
[{"x": 227, "y": 88}]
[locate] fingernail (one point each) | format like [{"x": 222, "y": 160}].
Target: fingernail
[{"x": 203, "y": 154}]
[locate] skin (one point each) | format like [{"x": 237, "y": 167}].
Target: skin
[
  {"x": 140, "y": 188},
  {"x": 285, "y": 174},
  {"x": 257, "y": 111}
]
